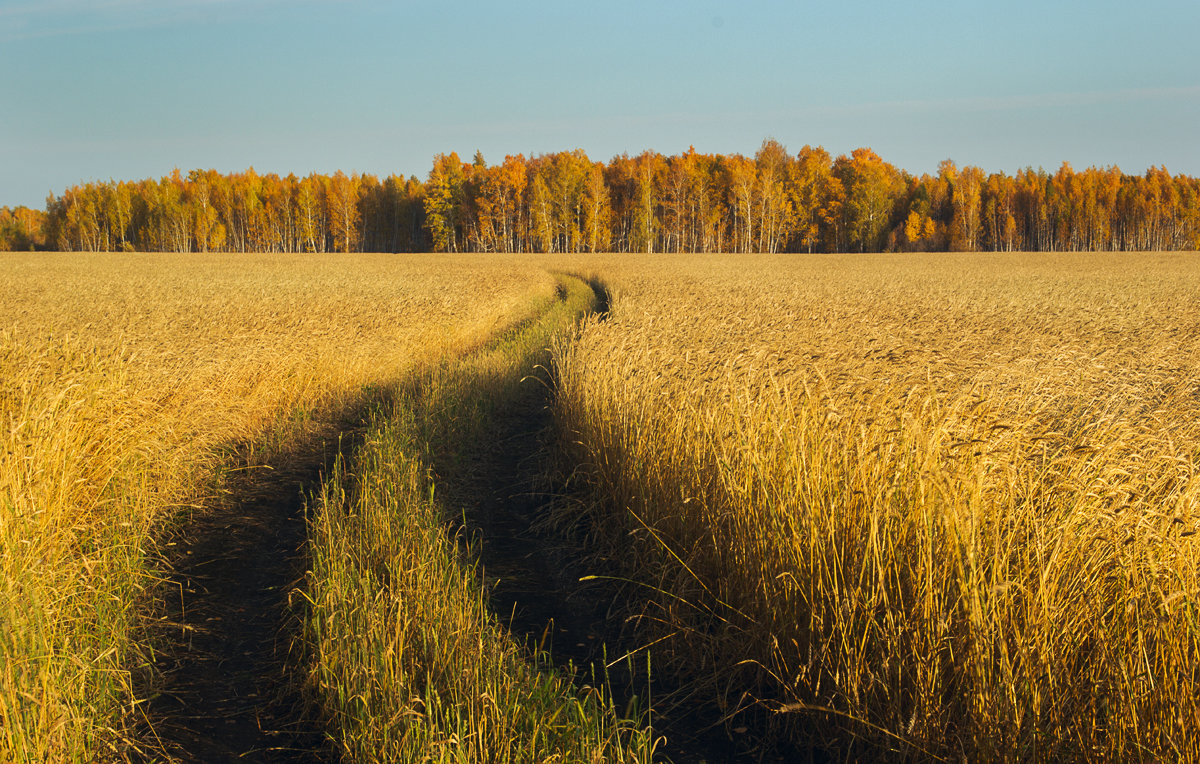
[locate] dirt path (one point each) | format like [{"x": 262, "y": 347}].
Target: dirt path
[
  {"x": 534, "y": 575},
  {"x": 223, "y": 694}
]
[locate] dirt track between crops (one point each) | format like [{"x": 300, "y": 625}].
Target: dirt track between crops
[
  {"x": 507, "y": 490},
  {"x": 223, "y": 693},
  {"x": 226, "y": 688}
]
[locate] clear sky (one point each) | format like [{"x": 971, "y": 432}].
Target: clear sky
[{"x": 127, "y": 89}]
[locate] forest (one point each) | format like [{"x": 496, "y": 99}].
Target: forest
[{"x": 772, "y": 202}]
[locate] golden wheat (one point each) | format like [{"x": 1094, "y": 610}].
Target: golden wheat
[
  {"x": 124, "y": 383},
  {"x": 909, "y": 507},
  {"x": 933, "y": 506}
]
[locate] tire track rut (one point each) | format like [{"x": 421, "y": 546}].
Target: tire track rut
[{"x": 223, "y": 689}]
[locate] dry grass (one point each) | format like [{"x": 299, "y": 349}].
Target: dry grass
[
  {"x": 126, "y": 384},
  {"x": 909, "y": 507}
]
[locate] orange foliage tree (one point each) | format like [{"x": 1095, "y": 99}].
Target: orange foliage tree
[{"x": 689, "y": 202}]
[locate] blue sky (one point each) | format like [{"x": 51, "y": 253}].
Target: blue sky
[{"x": 127, "y": 89}]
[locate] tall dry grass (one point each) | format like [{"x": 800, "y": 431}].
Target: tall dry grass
[
  {"x": 907, "y": 507},
  {"x": 127, "y": 383}
]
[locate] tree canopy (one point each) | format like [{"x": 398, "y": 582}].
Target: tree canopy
[{"x": 774, "y": 201}]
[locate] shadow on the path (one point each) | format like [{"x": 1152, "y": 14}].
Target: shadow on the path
[
  {"x": 224, "y": 687},
  {"x": 505, "y": 485}
]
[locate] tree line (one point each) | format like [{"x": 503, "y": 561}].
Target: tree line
[
  {"x": 774, "y": 201},
  {"x": 21, "y": 229}
]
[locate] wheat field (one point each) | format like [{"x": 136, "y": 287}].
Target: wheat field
[
  {"x": 906, "y": 506},
  {"x": 126, "y": 385},
  {"x": 903, "y": 507}
]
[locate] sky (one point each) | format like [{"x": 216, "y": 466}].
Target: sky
[{"x": 92, "y": 90}]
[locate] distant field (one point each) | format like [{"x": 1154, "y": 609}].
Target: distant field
[{"x": 876, "y": 506}]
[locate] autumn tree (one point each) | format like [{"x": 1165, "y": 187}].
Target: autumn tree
[
  {"x": 1033, "y": 211},
  {"x": 620, "y": 179},
  {"x": 741, "y": 181},
  {"x": 597, "y": 211},
  {"x": 809, "y": 188},
  {"x": 706, "y": 212},
  {"x": 22, "y": 229},
  {"x": 565, "y": 202},
  {"x": 645, "y": 224},
  {"x": 999, "y": 213},
  {"x": 566, "y": 175},
  {"x": 207, "y": 231},
  {"x": 966, "y": 199},
  {"x": 871, "y": 188},
  {"x": 341, "y": 199},
  {"x": 444, "y": 198},
  {"x": 773, "y": 203},
  {"x": 541, "y": 213},
  {"x": 676, "y": 195}
]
